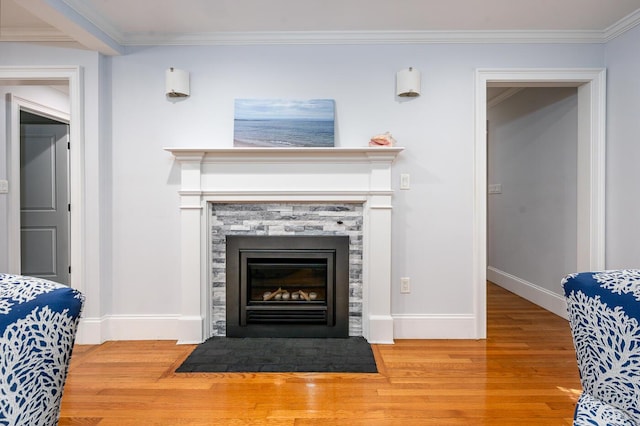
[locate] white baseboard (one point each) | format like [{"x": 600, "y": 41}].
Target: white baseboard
[
  {"x": 93, "y": 331},
  {"x": 381, "y": 329},
  {"x": 190, "y": 330},
  {"x": 89, "y": 331},
  {"x": 412, "y": 326},
  {"x": 540, "y": 296}
]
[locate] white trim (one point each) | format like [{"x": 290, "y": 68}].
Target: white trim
[
  {"x": 277, "y": 155},
  {"x": 591, "y": 176},
  {"x": 89, "y": 331},
  {"x": 168, "y": 327},
  {"x": 87, "y": 10},
  {"x": 591, "y": 192},
  {"x": 240, "y": 195},
  {"x": 82, "y": 22},
  {"x": 94, "y": 331},
  {"x": 58, "y": 14},
  {"x": 542, "y": 297},
  {"x": 38, "y": 34},
  {"x": 479, "y": 295},
  {"x": 34, "y": 34},
  {"x": 416, "y": 326},
  {"x": 129, "y": 327},
  {"x": 363, "y": 37},
  {"x": 320, "y": 174},
  {"x": 622, "y": 26},
  {"x": 379, "y": 328},
  {"x": 72, "y": 74},
  {"x": 40, "y": 109}
]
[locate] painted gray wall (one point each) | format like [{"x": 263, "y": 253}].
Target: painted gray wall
[
  {"x": 432, "y": 222},
  {"x": 533, "y": 155},
  {"x": 623, "y": 151},
  {"x": 133, "y": 223}
]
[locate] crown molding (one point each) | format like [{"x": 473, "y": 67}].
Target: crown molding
[
  {"x": 622, "y": 26},
  {"x": 363, "y": 37},
  {"x": 34, "y": 35},
  {"x": 92, "y": 15},
  {"x": 88, "y": 12},
  {"x": 59, "y": 15}
]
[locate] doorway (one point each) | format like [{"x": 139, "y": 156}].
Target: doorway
[
  {"x": 71, "y": 79},
  {"x": 590, "y": 84},
  {"x": 532, "y": 184},
  {"x": 44, "y": 197}
]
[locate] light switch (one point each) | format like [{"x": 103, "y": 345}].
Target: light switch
[
  {"x": 4, "y": 186},
  {"x": 404, "y": 181},
  {"x": 495, "y": 188}
]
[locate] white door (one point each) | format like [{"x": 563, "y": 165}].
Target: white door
[{"x": 44, "y": 201}]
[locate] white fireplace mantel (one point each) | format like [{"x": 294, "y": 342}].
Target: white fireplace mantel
[{"x": 360, "y": 175}]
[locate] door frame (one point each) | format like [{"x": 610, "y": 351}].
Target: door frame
[
  {"x": 61, "y": 117},
  {"x": 591, "y": 167},
  {"x": 31, "y": 75}
]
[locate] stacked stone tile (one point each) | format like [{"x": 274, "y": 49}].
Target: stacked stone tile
[{"x": 285, "y": 219}]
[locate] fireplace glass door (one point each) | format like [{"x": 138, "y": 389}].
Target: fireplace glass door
[
  {"x": 286, "y": 286},
  {"x": 290, "y": 281}
]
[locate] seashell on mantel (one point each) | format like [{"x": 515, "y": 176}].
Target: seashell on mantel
[{"x": 384, "y": 139}]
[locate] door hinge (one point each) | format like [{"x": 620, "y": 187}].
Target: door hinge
[
  {"x": 68, "y": 207},
  {"x": 69, "y": 269}
]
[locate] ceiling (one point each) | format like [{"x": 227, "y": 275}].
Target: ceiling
[{"x": 110, "y": 25}]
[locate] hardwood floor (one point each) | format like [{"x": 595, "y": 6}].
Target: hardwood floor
[{"x": 524, "y": 373}]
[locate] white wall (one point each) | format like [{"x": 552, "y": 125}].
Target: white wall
[
  {"x": 132, "y": 217},
  {"x": 532, "y": 224},
  {"x": 432, "y": 222},
  {"x": 623, "y": 151}
]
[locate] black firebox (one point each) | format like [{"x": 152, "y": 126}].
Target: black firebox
[{"x": 287, "y": 286}]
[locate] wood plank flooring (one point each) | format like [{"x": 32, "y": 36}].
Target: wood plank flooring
[{"x": 524, "y": 373}]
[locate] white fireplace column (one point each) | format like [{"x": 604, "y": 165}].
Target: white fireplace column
[
  {"x": 361, "y": 175},
  {"x": 377, "y": 252},
  {"x": 191, "y": 321}
]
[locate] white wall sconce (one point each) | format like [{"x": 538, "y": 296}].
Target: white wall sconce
[
  {"x": 408, "y": 83},
  {"x": 177, "y": 83}
]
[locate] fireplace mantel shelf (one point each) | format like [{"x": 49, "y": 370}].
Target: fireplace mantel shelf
[{"x": 312, "y": 154}]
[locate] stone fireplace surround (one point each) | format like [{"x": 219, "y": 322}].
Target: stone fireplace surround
[
  {"x": 287, "y": 175},
  {"x": 284, "y": 219}
]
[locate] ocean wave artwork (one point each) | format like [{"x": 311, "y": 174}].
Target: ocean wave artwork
[{"x": 284, "y": 123}]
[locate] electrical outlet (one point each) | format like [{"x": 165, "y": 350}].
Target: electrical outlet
[
  {"x": 4, "y": 186},
  {"x": 405, "y": 286}
]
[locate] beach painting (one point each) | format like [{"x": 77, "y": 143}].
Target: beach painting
[{"x": 284, "y": 123}]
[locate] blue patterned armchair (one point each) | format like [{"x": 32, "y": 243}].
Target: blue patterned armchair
[
  {"x": 38, "y": 323},
  {"x": 604, "y": 314}
]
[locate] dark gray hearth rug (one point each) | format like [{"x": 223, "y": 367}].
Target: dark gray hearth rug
[{"x": 265, "y": 354}]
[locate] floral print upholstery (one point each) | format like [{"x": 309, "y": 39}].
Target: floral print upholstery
[
  {"x": 38, "y": 323},
  {"x": 604, "y": 314}
]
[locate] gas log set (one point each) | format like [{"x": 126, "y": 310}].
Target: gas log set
[{"x": 285, "y": 296}]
